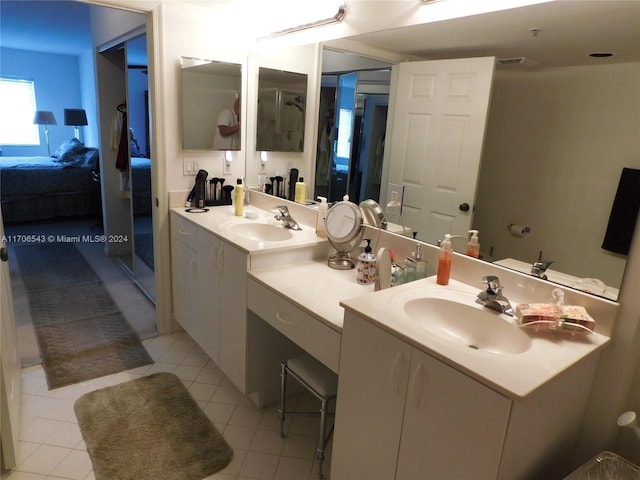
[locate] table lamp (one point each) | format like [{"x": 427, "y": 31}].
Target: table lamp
[
  {"x": 76, "y": 117},
  {"x": 44, "y": 117}
]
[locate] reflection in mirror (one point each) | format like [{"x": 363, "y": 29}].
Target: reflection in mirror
[
  {"x": 282, "y": 104},
  {"x": 210, "y": 104},
  {"x": 354, "y": 98},
  {"x": 529, "y": 178}
]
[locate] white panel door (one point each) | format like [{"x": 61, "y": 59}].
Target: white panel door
[
  {"x": 10, "y": 380},
  {"x": 437, "y": 130}
]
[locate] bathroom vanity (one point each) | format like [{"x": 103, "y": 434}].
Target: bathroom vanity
[{"x": 414, "y": 399}]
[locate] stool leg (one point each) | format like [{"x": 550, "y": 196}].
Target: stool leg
[
  {"x": 321, "y": 435},
  {"x": 283, "y": 393}
]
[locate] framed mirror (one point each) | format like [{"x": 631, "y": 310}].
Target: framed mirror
[
  {"x": 282, "y": 104},
  {"x": 211, "y": 97}
]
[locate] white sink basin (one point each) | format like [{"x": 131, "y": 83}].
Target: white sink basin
[
  {"x": 467, "y": 325},
  {"x": 261, "y": 232}
]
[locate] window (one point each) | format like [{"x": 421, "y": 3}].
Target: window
[{"x": 18, "y": 100}]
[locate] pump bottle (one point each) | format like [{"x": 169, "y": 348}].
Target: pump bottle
[
  {"x": 239, "y": 199},
  {"x": 301, "y": 191},
  {"x": 366, "y": 270},
  {"x": 473, "y": 247},
  {"x": 421, "y": 263},
  {"x": 321, "y": 229},
  {"x": 444, "y": 261}
]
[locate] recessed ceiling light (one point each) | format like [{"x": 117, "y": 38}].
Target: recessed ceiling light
[{"x": 601, "y": 54}]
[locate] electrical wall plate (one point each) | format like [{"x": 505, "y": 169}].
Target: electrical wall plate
[
  {"x": 395, "y": 198},
  {"x": 189, "y": 167}
]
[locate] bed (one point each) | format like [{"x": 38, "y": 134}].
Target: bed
[{"x": 63, "y": 185}]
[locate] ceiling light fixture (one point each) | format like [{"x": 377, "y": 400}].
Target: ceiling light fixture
[{"x": 337, "y": 18}]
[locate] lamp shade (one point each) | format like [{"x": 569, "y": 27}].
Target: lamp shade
[
  {"x": 75, "y": 116},
  {"x": 44, "y": 117}
]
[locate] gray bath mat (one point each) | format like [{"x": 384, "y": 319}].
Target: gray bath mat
[{"x": 149, "y": 429}]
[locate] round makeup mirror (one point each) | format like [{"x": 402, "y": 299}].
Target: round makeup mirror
[{"x": 344, "y": 230}]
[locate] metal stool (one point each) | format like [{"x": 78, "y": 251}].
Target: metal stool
[{"x": 318, "y": 380}]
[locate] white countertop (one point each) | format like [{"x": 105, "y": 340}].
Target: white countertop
[
  {"x": 514, "y": 375},
  {"x": 219, "y": 219},
  {"x": 314, "y": 287}
]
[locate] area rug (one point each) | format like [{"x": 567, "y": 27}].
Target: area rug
[
  {"x": 150, "y": 429},
  {"x": 80, "y": 331}
]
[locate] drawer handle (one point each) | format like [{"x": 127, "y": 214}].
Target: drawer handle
[
  {"x": 220, "y": 259},
  {"x": 282, "y": 319},
  {"x": 395, "y": 383},
  {"x": 183, "y": 232},
  {"x": 416, "y": 386},
  {"x": 192, "y": 266}
]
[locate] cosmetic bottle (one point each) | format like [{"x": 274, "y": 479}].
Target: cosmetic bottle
[
  {"x": 366, "y": 269},
  {"x": 421, "y": 264},
  {"x": 301, "y": 191},
  {"x": 321, "y": 229},
  {"x": 444, "y": 261},
  {"x": 239, "y": 199},
  {"x": 473, "y": 247}
]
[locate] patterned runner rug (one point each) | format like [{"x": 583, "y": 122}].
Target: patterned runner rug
[{"x": 81, "y": 332}]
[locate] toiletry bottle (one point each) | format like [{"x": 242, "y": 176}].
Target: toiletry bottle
[
  {"x": 366, "y": 271},
  {"x": 239, "y": 199},
  {"x": 421, "y": 264},
  {"x": 301, "y": 191},
  {"x": 473, "y": 247},
  {"x": 409, "y": 270},
  {"x": 444, "y": 262},
  {"x": 321, "y": 228}
]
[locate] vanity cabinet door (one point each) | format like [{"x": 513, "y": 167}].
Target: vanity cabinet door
[
  {"x": 184, "y": 272},
  {"x": 372, "y": 385},
  {"x": 232, "y": 268},
  {"x": 454, "y": 427},
  {"x": 208, "y": 334}
]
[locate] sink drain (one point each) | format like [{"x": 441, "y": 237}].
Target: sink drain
[{"x": 474, "y": 347}]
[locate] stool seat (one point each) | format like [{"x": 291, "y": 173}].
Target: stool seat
[
  {"x": 318, "y": 377},
  {"x": 322, "y": 383}
]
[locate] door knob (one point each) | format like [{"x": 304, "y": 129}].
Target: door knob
[
  {"x": 4, "y": 254},
  {"x": 464, "y": 207}
]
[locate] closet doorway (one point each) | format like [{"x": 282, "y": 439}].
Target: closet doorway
[{"x": 126, "y": 158}]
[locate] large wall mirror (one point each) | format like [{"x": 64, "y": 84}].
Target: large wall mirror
[
  {"x": 211, "y": 97},
  {"x": 544, "y": 147},
  {"x": 282, "y": 106}
]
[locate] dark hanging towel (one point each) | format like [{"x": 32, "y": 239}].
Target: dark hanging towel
[
  {"x": 122, "y": 158},
  {"x": 624, "y": 213}
]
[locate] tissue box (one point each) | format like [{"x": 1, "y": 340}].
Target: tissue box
[{"x": 571, "y": 318}]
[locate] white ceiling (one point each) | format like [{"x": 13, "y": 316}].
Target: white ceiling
[{"x": 568, "y": 32}]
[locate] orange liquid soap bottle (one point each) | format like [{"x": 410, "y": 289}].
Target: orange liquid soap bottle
[{"x": 444, "y": 262}]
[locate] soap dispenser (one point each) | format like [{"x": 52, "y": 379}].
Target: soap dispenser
[
  {"x": 321, "y": 228},
  {"x": 301, "y": 191},
  {"x": 421, "y": 263},
  {"x": 444, "y": 261},
  {"x": 473, "y": 247},
  {"x": 366, "y": 269}
]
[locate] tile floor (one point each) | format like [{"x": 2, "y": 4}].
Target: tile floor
[{"x": 51, "y": 446}]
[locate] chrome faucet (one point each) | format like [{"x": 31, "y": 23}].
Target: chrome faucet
[
  {"x": 538, "y": 269},
  {"x": 286, "y": 218},
  {"x": 492, "y": 296}
]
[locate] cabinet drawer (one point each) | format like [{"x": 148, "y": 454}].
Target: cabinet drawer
[
  {"x": 183, "y": 230},
  {"x": 303, "y": 329}
]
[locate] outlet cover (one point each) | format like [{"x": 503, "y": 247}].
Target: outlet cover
[{"x": 395, "y": 198}]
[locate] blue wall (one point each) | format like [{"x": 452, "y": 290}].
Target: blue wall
[{"x": 57, "y": 86}]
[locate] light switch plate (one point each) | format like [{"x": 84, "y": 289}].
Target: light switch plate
[
  {"x": 189, "y": 166},
  {"x": 395, "y": 198}
]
